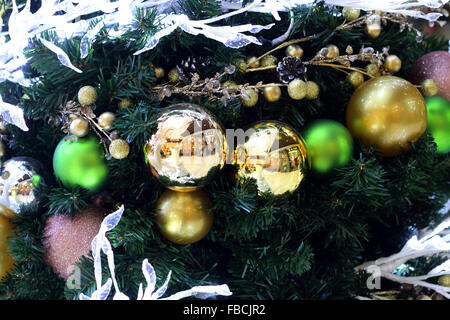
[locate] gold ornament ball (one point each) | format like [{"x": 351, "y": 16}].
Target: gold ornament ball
[
  {"x": 249, "y": 98},
  {"x": 87, "y": 95},
  {"x": 173, "y": 75},
  {"x": 387, "y": 113},
  {"x": 312, "y": 90},
  {"x": 355, "y": 78},
  {"x": 106, "y": 119},
  {"x": 332, "y": 51},
  {"x": 373, "y": 26},
  {"x": 350, "y": 13},
  {"x": 392, "y": 63},
  {"x": 297, "y": 89},
  {"x": 187, "y": 148},
  {"x": 241, "y": 65},
  {"x": 269, "y": 60},
  {"x": 184, "y": 217},
  {"x": 253, "y": 63},
  {"x": 272, "y": 94},
  {"x": 429, "y": 88},
  {"x": 6, "y": 259},
  {"x": 124, "y": 103},
  {"x": 79, "y": 127},
  {"x": 274, "y": 155},
  {"x": 444, "y": 280},
  {"x": 119, "y": 149},
  {"x": 294, "y": 50},
  {"x": 2, "y": 149},
  {"x": 159, "y": 73},
  {"x": 372, "y": 69}
]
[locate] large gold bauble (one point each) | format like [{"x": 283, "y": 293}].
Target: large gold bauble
[
  {"x": 387, "y": 113},
  {"x": 6, "y": 260},
  {"x": 274, "y": 155},
  {"x": 184, "y": 217},
  {"x": 187, "y": 149}
]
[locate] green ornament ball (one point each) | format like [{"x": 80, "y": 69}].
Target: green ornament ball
[
  {"x": 438, "y": 122},
  {"x": 80, "y": 162},
  {"x": 328, "y": 144}
]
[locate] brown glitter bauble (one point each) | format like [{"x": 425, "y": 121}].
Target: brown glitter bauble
[
  {"x": 67, "y": 239},
  {"x": 434, "y": 65}
]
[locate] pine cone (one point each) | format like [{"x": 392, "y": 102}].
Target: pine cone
[
  {"x": 290, "y": 68},
  {"x": 188, "y": 67}
]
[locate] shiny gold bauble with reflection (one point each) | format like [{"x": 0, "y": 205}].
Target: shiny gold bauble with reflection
[
  {"x": 274, "y": 155},
  {"x": 187, "y": 148},
  {"x": 387, "y": 113},
  {"x": 184, "y": 217}
]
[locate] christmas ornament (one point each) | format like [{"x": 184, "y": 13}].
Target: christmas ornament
[
  {"x": 329, "y": 145},
  {"x": 6, "y": 259},
  {"x": 184, "y": 217},
  {"x": 19, "y": 178},
  {"x": 173, "y": 75},
  {"x": 372, "y": 69},
  {"x": 392, "y": 63},
  {"x": 119, "y": 149},
  {"x": 272, "y": 94},
  {"x": 438, "y": 122},
  {"x": 355, "y": 78},
  {"x": 297, "y": 89},
  {"x": 269, "y": 60},
  {"x": 434, "y": 65},
  {"x": 429, "y": 88},
  {"x": 79, "y": 127},
  {"x": 332, "y": 51},
  {"x": 124, "y": 103},
  {"x": 294, "y": 50},
  {"x": 253, "y": 63},
  {"x": 274, "y": 155},
  {"x": 105, "y": 120},
  {"x": 388, "y": 113},
  {"x": 188, "y": 147},
  {"x": 87, "y": 95},
  {"x": 350, "y": 13},
  {"x": 312, "y": 90},
  {"x": 249, "y": 97},
  {"x": 373, "y": 26},
  {"x": 66, "y": 239},
  {"x": 290, "y": 68},
  {"x": 80, "y": 162}
]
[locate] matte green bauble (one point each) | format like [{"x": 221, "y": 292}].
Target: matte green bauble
[
  {"x": 328, "y": 144},
  {"x": 80, "y": 162},
  {"x": 438, "y": 122}
]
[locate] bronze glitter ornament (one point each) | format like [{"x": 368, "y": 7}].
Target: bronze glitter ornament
[
  {"x": 187, "y": 148},
  {"x": 274, "y": 155}
]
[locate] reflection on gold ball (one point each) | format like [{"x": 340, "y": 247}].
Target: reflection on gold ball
[
  {"x": 294, "y": 50},
  {"x": 79, "y": 127},
  {"x": 272, "y": 94},
  {"x": 187, "y": 148},
  {"x": 392, "y": 63},
  {"x": 274, "y": 155},
  {"x": 6, "y": 259},
  {"x": 388, "y": 113},
  {"x": 184, "y": 217}
]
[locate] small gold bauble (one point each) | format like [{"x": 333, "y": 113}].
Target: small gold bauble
[
  {"x": 159, "y": 73},
  {"x": 269, "y": 60},
  {"x": 106, "y": 119},
  {"x": 294, "y": 50},
  {"x": 272, "y": 94},
  {"x": 355, "y": 78},
  {"x": 373, "y": 25},
  {"x": 187, "y": 148},
  {"x": 253, "y": 63},
  {"x": 124, "y": 103},
  {"x": 332, "y": 51},
  {"x": 350, "y": 13},
  {"x": 312, "y": 90},
  {"x": 119, "y": 149},
  {"x": 392, "y": 63},
  {"x": 387, "y": 113},
  {"x": 249, "y": 98},
  {"x": 6, "y": 259},
  {"x": 297, "y": 89},
  {"x": 372, "y": 69},
  {"x": 429, "y": 88},
  {"x": 274, "y": 155},
  {"x": 184, "y": 217},
  {"x": 173, "y": 75},
  {"x": 87, "y": 95},
  {"x": 79, "y": 127},
  {"x": 241, "y": 65},
  {"x": 2, "y": 149},
  {"x": 444, "y": 280}
]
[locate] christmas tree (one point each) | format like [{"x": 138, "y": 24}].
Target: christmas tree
[{"x": 341, "y": 161}]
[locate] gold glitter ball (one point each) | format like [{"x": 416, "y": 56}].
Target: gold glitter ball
[
  {"x": 253, "y": 63},
  {"x": 124, "y": 103},
  {"x": 392, "y": 63},
  {"x": 355, "y": 78},
  {"x": 312, "y": 90},
  {"x": 372, "y": 69},
  {"x": 249, "y": 97},
  {"x": 269, "y": 60},
  {"x": 173, "y": 75},
  {"x": 332, "y": 51},
  {"x": 294, "y": 50},
  {"x": 79, "y": 127},
  {"x": 272, "y": 94},
  {"x": 429, "y": 88},
  {"x": 297, "y": 89},
  {"x": 350, "y": 14},
  {"x": 106, "y": 119},
  {"x": 119, "y": 149},
  {"x": 87, "y": 95}
]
